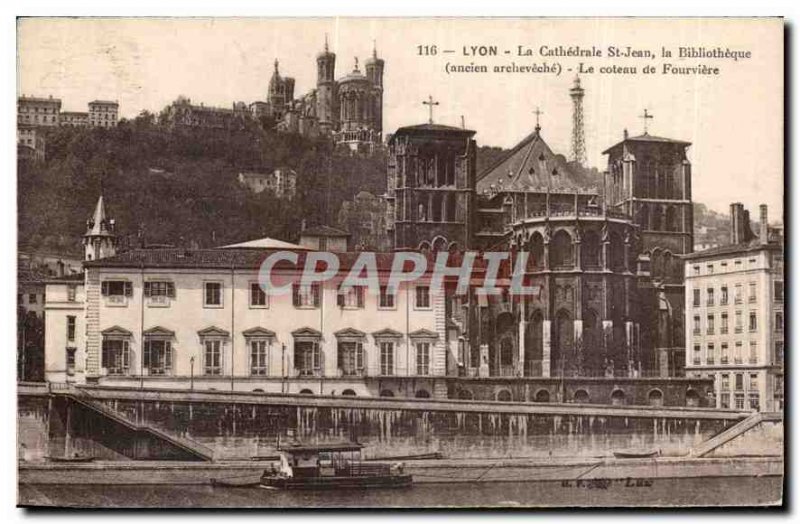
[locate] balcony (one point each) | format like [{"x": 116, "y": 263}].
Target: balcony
[
  {"x": 737, "y": 360},
  {"x": 306, "y": 372},
  {"x": 738, "y": 329},
  {"x": 710, "y": 361},
  {"x": 696, "y": 362},
  {"x": 752, "y": 360},
  {"x": 696, "y": 331},
  {"x": 723, "y": 360},
  {"x": 723, "y": 331},
  {"x": 710, "y": 331},
  {"x": 116, "y": 301},
  {"x": 751, "y": 300}
]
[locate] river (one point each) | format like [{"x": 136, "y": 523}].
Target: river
[{"x": 622, "y": 492}]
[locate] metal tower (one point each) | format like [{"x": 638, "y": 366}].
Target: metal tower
[{"x": 578, "y": 137}]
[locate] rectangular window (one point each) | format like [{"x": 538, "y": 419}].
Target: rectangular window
[
  {"x": 258, "y": 357},
  {"x": 739, "y": 381},
  {"x": 725, "y": 401},
  {"x": 710, "y": 325},
  {"x": 737, "y": 294},
  {"x": 71, "y": 360},
  {"x": 72, "y": 291},
  {"x": 753, "y": 352},
  {"x": 351, "y": 358},
  {"x": 696, "y": 297},
  {"x": 738, "y": 400},
  {"x": 116, "y": 288},
  {"x": 723, "y": 327},
  {"x": 212, "y": 363},
  {"x": 778, "y": 322},
  {"x": 157, "y": 356},
  {"x": 753, "y": 322},
  {"x": 725, "y": 383},
  {"x": 753, "y": 381},
  {"x": 423, "y": 297},
  {"x": 723, "y": 296},
  {"x": 738, "y": 322},
  {"x": 212, "y": 294},
  {"x": 306, "y": 295},
  {"x": 116, "y": 356},
  {"x": 696, "y": 270},
  {"x": 307, "y": 358},
  {"x": 753, "y": 400},
  {"x": 70, "y": 328},
  {"x": 31, "y": 298},
  {"x": 778, "y": 290},
  {"x": 386, "y": 298},
  {"x": 159, "y": 288},
  {"x": 710, "y": 353},
  {"x": 710, "y": 296},
  {"x": 351, "y": 297},
  {"x": 696, "y": 329},
  {"x": 387, "y": 358},
  {"x": 258, "y": 298},
  {"x": 779, "y": 352},
  {"x": 710, "y": 268},
  {"x": 423, "y": 358},
  {"x": 751, "y": 297}
]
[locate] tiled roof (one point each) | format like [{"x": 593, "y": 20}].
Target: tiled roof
[
  {"x": 733, "y": 249},
  {"x": 521, "y": 168},
  {"x": 648, "y": 138},
  {"x": 433, "y": 128}
]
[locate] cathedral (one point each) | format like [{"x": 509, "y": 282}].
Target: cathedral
[
  {"x": 350, "y": 109},
  {"x": 604, "y": 249}
]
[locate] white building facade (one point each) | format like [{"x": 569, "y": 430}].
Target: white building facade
[
  {"x": 200, "y": 319},
  {"x": 735, "y": 321}
]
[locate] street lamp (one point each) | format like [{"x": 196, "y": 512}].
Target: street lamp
[{"x": 191, "y": 373}]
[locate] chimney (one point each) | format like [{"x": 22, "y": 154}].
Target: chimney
[
  {"x": 763, "y": 229},
  {"x": 737, "y": 227}
]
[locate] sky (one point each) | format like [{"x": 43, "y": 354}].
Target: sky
[{"x": 734, "y": 120}]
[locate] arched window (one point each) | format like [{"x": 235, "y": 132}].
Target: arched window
[
  {"x": 348, "y": 393},
  {"x": 655, "y": 397},
  {"x": 533, "y": 346},
  {"x": 562, "y": 251},
  {"x": 581, "y": 396},
  {"x": 439, "y": 244},
  {"x": 507, "y": 352},
  {"x": 672, "y": 219},
  {"x": 617, "y": 397},
  {"x": 306, "y": 392},
  {"x": 592, "y": 342},
  {"x": 504, "y": 395},
  {"x": 258, "y": 390},
  {"x": 563, "y": 341},
  {"x": 692, "y": 398},
  {"x": 542, "y": 396},
  {"x": 436, "y": 208},
  {"x": 386, "y": 393},
  {"x": 591, "y": 255},
  {"x": 450, "y": 213},
  {"x": 421, "y": 393},
  {"x": 536, "y": 247},
  {"x": 465, "y": 394}
]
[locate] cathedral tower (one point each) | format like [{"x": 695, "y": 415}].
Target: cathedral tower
[
  {"x": 374, "y": 68},
  {"x": 578, "y": 136},
  {"x": 100, "y": 241},
  {"x": 326, "y": 87}
]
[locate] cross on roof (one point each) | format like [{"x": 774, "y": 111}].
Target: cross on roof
[
  {"x": 645, "y": 117},
  {"x": 430, "y": 103},
  {"x": 538, "y": 113}
]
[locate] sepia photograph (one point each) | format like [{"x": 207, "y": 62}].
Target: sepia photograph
[{"x": 432, "y": 262}]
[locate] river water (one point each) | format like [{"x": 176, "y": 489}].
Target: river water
[{"x": 624, "y": 492}]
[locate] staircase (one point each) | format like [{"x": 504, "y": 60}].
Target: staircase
[
  {"x": 733, "y": 432},
  {"x": 193, "y": 448}
]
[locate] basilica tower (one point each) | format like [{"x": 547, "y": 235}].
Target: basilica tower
[
  {"x": 326, "y": 88},
  {"x": 374, "y": 68},
  {"x": 100, "y": 241}
]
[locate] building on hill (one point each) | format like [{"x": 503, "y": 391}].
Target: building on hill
[
  {"x": 74, "y": 119},
  {"x": 281, "y": 182},
  {"x": 31, "y": 143},
  {"x": 350, "y": 109},
  {"x": 735, "y": 302},
  {"x": 103, "y": 113},
  {"x": 182, "y": 114},
  {"x": 365, "y": 217},
  {"x": 38, "y": 111}
]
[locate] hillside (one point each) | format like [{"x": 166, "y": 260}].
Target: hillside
[{"x": 180, "y": 188}]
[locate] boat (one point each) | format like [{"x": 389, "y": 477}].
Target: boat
[
  {"x": 76, "y": 458},
  {"x": 631, "y": 454},
  {"x": 331, "y": 466}
]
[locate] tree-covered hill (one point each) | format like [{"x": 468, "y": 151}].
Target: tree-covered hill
[{"x": 181, "y": 187}]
